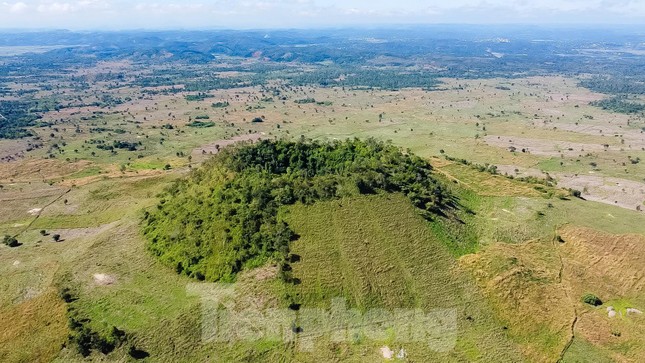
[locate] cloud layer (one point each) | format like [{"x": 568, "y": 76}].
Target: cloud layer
[{"x": 122, "y": 14}]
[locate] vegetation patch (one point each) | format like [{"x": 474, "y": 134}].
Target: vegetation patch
[
  {"x": 305, "y": 101},
  {"x": 15, "y": 116},
  {"x": 201, "y": 124},
  {"x": 224, "y": 217},
  {"x": 620, "y": 104},
  {"x": 591, "y": 299},
  {"x": 10, "y": 241},
  {"x": 198, "y": 97},
  {"x": 375, "y": 251},
  {"x": 220, "y": 104}
]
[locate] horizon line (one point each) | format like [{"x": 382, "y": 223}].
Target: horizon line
[{"x": 384, "y": 26}]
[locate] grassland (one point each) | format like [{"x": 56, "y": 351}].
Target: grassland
[
  {"x": 360, "y": 239},
  {"x": 549, "y": 117},
  {"x": 516, "y": 288}
]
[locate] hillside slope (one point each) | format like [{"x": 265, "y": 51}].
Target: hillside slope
[{"x": 377, "y": 252}]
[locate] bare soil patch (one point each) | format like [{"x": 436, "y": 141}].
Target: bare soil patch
[
  {"x": 615, "y": 191},
  {"x": 613, "y": 131},
  {"x": 104, "y": 279},
  {"x": 76, "y": 233},
  {"x": 623, "y": 193},
  {"x": 12, "y": 150},
  {"x": 214, "y": 147}
]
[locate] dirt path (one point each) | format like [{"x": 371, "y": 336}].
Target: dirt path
[
  {"x": 38, "y": 212},
  {"x": 570, "y": 342},
  {"x": 11, "y": 196},
  {"x": 575, "y": 310}
]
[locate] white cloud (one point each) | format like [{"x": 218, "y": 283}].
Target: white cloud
[
  {"x": 71, "y": 7},
  {"x": 17, "y": 8},
  {"x": 55, "y": 8},
  {"x": 308, "y": 13}
]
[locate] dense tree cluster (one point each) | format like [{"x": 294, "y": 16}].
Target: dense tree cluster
[
  {"x": 620, "y": 104},
  {"x": 226, "y": 215},
  {"x": 15, "y": 116},
  {"x": 198, "y": 97},
  {"x": 617, "y": 84},
  {"x": 118, "y": 144},
  {"x": 220, "y": 104}
]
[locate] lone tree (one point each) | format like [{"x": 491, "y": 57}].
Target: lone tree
[{"x": 56, "y": 237}]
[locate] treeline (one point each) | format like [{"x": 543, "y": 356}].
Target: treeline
[
  {"x": 348, "y": 76},
  {"x": 620, "y": 104},
  {"x": 616, "y": 85},
  {"x": 198, "y": 97},
  {"x": 226, "y": 216},
  {"x": 492, "y": 169}
]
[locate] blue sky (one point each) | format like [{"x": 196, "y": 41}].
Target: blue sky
[{"x": 165, "y": 14}]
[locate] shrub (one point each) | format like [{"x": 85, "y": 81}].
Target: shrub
[
  {"x": 10, "y": 241},
  {"x": 67, "y": 295},
  {"x": 137, "y": 354},
  {"x": 591, "y": 299},
  {"x": 201, "y": 124},
  {"x": 86, "y": 340}
]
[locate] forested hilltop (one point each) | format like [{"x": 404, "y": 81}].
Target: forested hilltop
[{"x": 225, "y": 217}]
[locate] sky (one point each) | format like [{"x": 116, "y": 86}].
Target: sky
[{"x": 255, "y": 14}]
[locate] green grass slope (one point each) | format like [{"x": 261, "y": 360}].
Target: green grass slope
[{"x": 377, "y": 252}]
